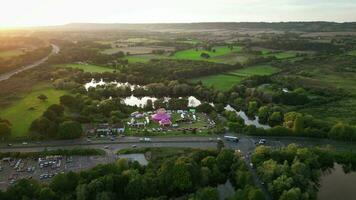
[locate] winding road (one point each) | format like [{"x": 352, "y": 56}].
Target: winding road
[{"x": 5, "y": 76}]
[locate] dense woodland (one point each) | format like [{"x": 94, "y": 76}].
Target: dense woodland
[{"x": 174, "y": 174}]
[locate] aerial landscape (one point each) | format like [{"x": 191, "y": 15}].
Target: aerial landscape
[{"x": 224, "y": 100}]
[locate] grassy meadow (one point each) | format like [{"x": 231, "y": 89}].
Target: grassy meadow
[
  {"x": 22, "y": 112},
  {"x": 144, "y": 58},
  {"x": 10, "y": 53},
  {"x": 217, "y": 56},
  {"x": 87, "y": 68},
  {"x": 225, "y": 81},
  {"x": 279, "y": 55},
  {"x": 352, "y": 53}
]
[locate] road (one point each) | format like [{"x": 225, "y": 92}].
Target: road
[
  {"x": 246, "y": 144},
  {"x": 55, "y": 50}
]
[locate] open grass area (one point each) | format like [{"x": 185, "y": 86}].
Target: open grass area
[
  {"x": 88, "y": 68},
  {"x": 21, "y": 113},
  {"x": 279, "y": 55},
  {"x": 225, "y": 81},
  {"x": 144, "y": 58},
  {"x": 352, "y": 53},
  {"x": 10, "y": 53},
  {"x": 194, "y": 54}
]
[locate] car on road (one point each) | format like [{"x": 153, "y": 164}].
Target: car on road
[
  {"x": 106, "y": 147},
  {"x": 145, "y": 139},
  {"x": 9, "y": 145},
  {"x": 261, "y": 142},
  {"x": 24, "y": 143},
  {"x": 231, "y": 138},
  {"x": 133, "y": 146}
]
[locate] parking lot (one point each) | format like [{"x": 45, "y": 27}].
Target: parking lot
[{"x": 43, "y": 169}]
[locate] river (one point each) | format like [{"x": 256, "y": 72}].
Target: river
[{"x": 338, "y": 185}]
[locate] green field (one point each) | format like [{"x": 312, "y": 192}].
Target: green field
[
  {"x": 10, "y": 53},
  {"x": 352, "y": 53},
  {"x": 225, "y": 81},
  {"x": 144, "y": 58},
  {"x": 279, "y": 55},
  {"x": 87, "y": 68},
  {"x": 21, "y": 113},
  {"x": 193, "y": 54}
]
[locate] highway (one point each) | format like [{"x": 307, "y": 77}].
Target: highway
[
  {"x": 246, "y": 143},
  {"x": 5, "y": 76}
]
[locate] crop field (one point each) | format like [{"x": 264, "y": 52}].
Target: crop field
[
  {"x": 10, "y": 53},
  {"x": 23, "y": 112},
  {"x": 87, "y": 68},
  {"x": 217, "y": 56},
  {"x": 225, "y": 81}
]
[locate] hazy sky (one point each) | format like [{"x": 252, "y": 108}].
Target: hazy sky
[{"x": 53, "y": 12}]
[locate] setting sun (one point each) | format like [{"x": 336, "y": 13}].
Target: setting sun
[{"x": 53, "y": 12}]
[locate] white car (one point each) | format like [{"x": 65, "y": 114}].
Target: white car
[{"x": 145, "y": 139}]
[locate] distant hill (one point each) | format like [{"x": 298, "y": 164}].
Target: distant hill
[{"x": 280, "y": 26}]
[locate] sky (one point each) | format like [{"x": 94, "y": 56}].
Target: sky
[{"x": 15, "y": 13}]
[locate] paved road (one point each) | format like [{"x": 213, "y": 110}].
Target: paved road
[
  {"x": 246, "y": 144},
  {"x": 55, "y": 50}
]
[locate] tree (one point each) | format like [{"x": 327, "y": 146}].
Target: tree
[
  {"x": 70, "y": 130},
  {"x": 42, "y": 97},
  {"x": 224, "y": 160},
  {"x": 263, "y": 114},
  {"x": 275, "y": 119},
  {"x": 123, "y": 164},
  {"x": 5, "y": 129},
  {"x": 68, "y": 100},
  {"x": 280, "y": 184},
  {"x": 298, "y": 125},
  {"x": 252, "y": 108},
  {"x": 220, "y": 145},
  {"x": 46, "y": 193},
  {"x": 205, "y": 55},
  {"x": 149, "y": 105},
  {"x": 207, "y": 193},
  {"x": 292, "y": 194}
]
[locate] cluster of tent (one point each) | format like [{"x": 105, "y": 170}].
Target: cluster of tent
[{"x": 162, "y": 117}]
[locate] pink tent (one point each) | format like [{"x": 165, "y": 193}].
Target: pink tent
[
  {"x": 165, "y": 122},
  {"x": 161, "y": 115}
]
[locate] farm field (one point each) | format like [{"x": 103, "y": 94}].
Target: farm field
[
  {"x": 10, "y": 53},
  {"x": 225, "y": 81},
  {"x": 87, "y": 68},
  {"x": 217, "y": 56},
  {"x": 21, "y": 113}
]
